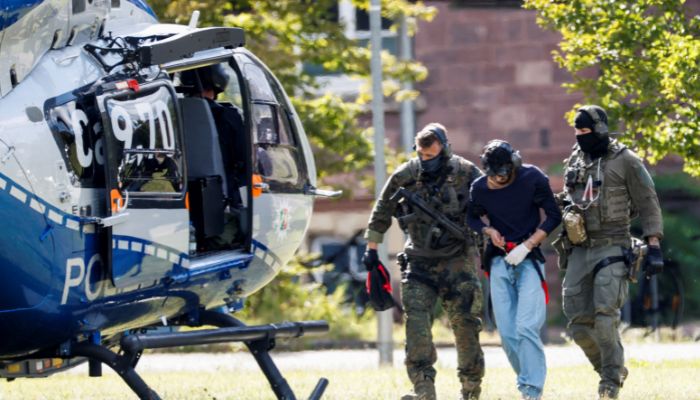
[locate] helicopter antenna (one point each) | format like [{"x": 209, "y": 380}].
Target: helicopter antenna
[{"x": 194, "y": 19}]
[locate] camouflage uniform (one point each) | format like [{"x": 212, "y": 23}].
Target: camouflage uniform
[
  {"x": 592, "y": 300},
  {"x": 439, "y": 266}
]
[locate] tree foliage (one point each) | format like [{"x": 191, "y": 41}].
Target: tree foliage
[
  {"x": 285, "y": 34},
  {"x": 640, "y": 60}
]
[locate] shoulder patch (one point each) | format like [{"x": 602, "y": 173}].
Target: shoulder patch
[
  {"x": 645, "y": 177},
  {"x": 637, "y": 164}
]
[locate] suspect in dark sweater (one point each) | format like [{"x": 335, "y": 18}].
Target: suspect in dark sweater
[{"x": 510, "y": 198}]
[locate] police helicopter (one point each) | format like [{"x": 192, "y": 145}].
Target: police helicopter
[{"x": 127, "y": 202}]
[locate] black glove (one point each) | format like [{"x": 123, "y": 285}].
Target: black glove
[
  {"x": 370, "y": 259},
  {"x": 655, "y": 261}
]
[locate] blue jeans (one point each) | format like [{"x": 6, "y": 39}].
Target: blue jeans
[{"x": 519, "y": 308}]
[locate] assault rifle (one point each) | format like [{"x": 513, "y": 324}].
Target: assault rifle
[{"x": 428, "y": 213}]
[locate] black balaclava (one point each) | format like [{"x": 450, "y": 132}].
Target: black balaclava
[
  {"x": 594, "y": 144},
  {"x": 433, "y": 166}
]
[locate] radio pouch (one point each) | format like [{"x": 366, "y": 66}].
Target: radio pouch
[{"x": 575, "y": 226}]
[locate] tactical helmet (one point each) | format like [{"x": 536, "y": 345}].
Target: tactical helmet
[
  {"x": 499, "y": 158},
  {"x": 212, "y": 77}
]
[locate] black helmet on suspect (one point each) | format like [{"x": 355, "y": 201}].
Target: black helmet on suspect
[
  {"x": 212, "y": 77},
  {"x": 499, "y": 158}
]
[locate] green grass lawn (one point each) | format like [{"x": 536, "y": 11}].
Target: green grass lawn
[{"x": 665, "y": 380}]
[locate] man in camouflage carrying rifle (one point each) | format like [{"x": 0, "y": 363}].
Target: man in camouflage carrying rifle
[
  {"x": 605, "y": 182},
  {"x": 436, "y": 264}
]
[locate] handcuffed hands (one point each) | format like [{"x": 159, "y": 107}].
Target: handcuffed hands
[
  {"x": 517, "y": 255},
  {"x": 370, "y": 259},
  {"x": 496, "y": 238},
  {"x": 655, "y": 261}
]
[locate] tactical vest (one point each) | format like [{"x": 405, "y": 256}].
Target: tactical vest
[
  {"x": 448, "y": 194},
  {"x": 598, "y": 188}
]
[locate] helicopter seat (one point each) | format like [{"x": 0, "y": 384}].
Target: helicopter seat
[{"x": 205, "y": 167}]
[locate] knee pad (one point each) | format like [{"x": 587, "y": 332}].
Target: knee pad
[
  {"x": 469, "y": 296},
  {"x": 581, "y": 335},
  {"x": 606, "y": 327}
]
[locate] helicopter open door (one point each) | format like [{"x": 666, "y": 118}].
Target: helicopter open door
[
  {"x": 148, "y": 227},
  {"x": 282, "y": 163},
  {"x": 218, "y": 154}
]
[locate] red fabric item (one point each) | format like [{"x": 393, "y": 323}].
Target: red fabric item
[
  {"x": 508, "y": 248},
  {"x": 378, "y": 285},
  {"x": 545, "y": 287}
]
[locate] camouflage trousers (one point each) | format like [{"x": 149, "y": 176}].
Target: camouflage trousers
[
  {"x": 454, "y": 282},
  {"x": 592, "y": 305}
]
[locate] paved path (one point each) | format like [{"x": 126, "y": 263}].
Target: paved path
[{"x": 557, "y": 356}]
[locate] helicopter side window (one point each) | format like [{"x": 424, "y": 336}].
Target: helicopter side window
[
  {"x": 276, "y": 155},
  {"x": 74, "y": 123},
  {"x": 149, "y": 158},
  {"x": 232, "y": 94}
]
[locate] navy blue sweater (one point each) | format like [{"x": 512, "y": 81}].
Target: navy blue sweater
[{"x": 514, "y": 210}]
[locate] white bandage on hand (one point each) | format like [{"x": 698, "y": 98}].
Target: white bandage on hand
[{"x": 517, "y": 255}]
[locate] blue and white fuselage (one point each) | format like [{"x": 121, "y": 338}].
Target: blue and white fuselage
[{"x": 62, "y": 278}]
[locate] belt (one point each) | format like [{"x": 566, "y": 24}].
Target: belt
[{"x": 614, "y": 241}]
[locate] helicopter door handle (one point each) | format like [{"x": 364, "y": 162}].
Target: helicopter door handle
[
  {"x": 262, "y": 186},
  {"x": 312, "y": 190},
  {"x": 113, "y": 220},
  {"x": 119, "y": 203}
]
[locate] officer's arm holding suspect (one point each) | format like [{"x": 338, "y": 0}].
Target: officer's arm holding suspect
[{"x": 544, "y": 199}]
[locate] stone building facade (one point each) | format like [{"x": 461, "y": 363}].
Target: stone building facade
[{"x": 491, "y": 75}]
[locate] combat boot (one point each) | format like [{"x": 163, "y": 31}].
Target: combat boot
[
  {"x": 608, "y": 392},
  {"x": 471, "y": 394},
  {"x": 422, "y": 390}
]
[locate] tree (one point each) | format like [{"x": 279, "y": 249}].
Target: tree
[
  {"x": 285, "y": 34},
  {"x": 640, "y": 60}
]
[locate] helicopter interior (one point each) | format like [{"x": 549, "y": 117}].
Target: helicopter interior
[
  {"x": 211, "y": 104},
  {"x": 183, "y": 153},
  {"x": 222, "y": 160},
  {"x": 226, "y": 165}
]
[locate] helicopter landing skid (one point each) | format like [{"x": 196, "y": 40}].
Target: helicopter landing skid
[{"x": 259, "y": 339}]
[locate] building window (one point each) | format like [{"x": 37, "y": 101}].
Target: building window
[{"x": 356, "y": 22}]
